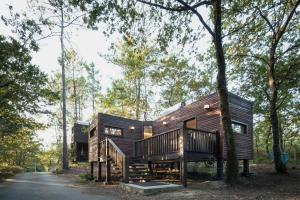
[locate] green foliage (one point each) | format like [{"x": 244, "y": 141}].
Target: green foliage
[
  {"x": 131, "y": 97},
  {"x": 23, "y": 88},
  {"x": 19, "y": 148},
  {"x": 85, "y": 177},
  {"x": 264, "y": 48}
]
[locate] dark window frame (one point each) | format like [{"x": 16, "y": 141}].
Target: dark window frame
[
  {"x": 114, "y": 127},
  {"x": 245, "y": 132}
]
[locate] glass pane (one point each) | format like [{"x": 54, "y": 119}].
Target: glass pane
[
  {"x": 147, "y": 131},
  {"x": 113, "y": 131}
]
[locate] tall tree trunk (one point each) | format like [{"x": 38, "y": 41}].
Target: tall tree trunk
[
  {"x": 93, "y": 89},
  {"x": 267, "y": 140},
  {"x": 138, "y": 99},
  {"x": 75, "y": 97},
  {"x": 279, "y": 166},
  {"x": 232, "y": 162},
  {"x": 65, "y": 145}
]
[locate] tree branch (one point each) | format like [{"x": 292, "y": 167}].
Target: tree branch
[
  {"x": 266, "y": 19},
  {"x": 175, "y": 9},
  {"x": 281, "y": 30},
  {"x": 73, "y": 20},
  {"x": 2, "y": 85},
  {"x": 198, "y": 15},
  {"x": 253, "y": 56}
]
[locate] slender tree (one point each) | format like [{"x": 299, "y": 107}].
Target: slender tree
[
  {"x": 56, "y": 17},
  {"x": 93, "y": 83}
]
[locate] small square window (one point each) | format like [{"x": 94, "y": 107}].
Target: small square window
[
  {"x": 239, "y": 128},
  {"x": 113, "y": 131}
]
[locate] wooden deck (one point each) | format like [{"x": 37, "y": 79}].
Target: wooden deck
[
  {"x": 194, "y": 144},
  {"x": 180, "y": 145}
]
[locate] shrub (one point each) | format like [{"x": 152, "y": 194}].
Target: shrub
[
  {"x": 12, "y": 169},
  {"x": 85, "y": 177}
]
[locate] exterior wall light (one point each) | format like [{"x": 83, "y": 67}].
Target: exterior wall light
[
  {"x": 165, "y": 123},
  {"x": 206, "y": 106},
  {"x": 131, "y": 127}
]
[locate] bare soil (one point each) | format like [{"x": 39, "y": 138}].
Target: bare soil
[{"x": 264, "y": 184}]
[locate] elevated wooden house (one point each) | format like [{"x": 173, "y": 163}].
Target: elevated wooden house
[
  {"x": 79, "y": 142},
  {"x": 120, "y": 147}
]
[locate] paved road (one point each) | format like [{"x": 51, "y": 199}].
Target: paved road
[{"x": 45, "y": 186}]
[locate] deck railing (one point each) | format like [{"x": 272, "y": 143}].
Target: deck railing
[
  {"x": 177, "y": 141},
  {"x": 160, "y": 144},
  {"x": 200, "y": 141},
  {"x": 110, "y": 152}
]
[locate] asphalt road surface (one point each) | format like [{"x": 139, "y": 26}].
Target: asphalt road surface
[{"x": 45, "y": 186}]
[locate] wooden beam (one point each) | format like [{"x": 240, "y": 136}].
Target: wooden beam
[
  {"x": 92, "y": 169},
  {"x": 183, "y": 172},
  {"x": 125, "y": 169},
  {"x": 108, "y": 171},
  {"x": 246, "y": 167},
  {"x": 99, "y": 174},
  {"x": 219, "y": 155}
]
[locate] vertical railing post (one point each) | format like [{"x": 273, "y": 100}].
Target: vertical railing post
[
  {"x": 108, "y": 174},
  {"x": 125, "y": 169},
  {"x": 92, "y": 169},
  {"x": 182, "y": 157},
  {"x": 219, "y": 155}
]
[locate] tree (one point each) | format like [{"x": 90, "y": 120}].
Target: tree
[
  {"x": 175, "y": 17},
  {"x": 76, "y": 84},
  {"x": 119, "y": 100},
  {"x": 136, "y": 59},
  {"x": 266, "y": 50},
  {"x": 93, "y": 84},
  {"x": 57, "y": 16},
  {"x": 23, "y": 88},
  {"x": 173, "y": 75}
]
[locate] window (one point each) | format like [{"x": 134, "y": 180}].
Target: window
[
  {"x": 113, "y": 131},
  {"x": 191, "y": 123},
  {"x": 239, "y": 128},
  {"x": 147, "y": 132}
]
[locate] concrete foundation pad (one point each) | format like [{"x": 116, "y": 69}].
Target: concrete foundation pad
[{"x": 148, "y": 188}]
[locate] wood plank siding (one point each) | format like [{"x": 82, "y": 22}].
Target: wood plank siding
[
  {"x": 79, "y": 142},
  {"x": 209, "y": 119},
  {"x": 206, "y": 119}
]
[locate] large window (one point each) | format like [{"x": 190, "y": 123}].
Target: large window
[
  {"x": 113, "y": 131},
  {"x": 147, "y": 132},
  {"x": 239, "y": 128}
]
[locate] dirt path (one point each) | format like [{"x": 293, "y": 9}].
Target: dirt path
[{"x": 264, "y": 185}]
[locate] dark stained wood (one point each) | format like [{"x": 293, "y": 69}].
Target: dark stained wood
[
  {"x": 240, "y": 110},
  {"x": 172, "y": 142},
  {"x": 92, "y": 169},
  {"x": 99, "y": 172},
  {"x": 79, "y": 142},
  {"x": 246, "y": 166}
]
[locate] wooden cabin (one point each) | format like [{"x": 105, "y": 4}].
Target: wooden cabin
[
  {"x": 120, "y": 147},
  {"x": 79, "y": 142}
]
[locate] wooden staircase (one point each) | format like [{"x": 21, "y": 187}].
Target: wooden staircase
[{"x": 138, "y": 171}]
